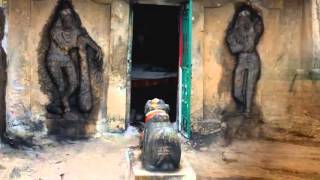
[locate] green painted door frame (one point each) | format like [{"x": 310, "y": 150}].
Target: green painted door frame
[{"x": 185, "y": 69}]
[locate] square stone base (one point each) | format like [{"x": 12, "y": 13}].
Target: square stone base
[
  {"x": 69, "y": 129},
  {"x": 137, "y": 172}
]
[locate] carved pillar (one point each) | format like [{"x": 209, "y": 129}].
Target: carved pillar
[
  {"x": 116, "y": 98},
  {"x": 197, "y": 121},
  {"x": 18, "y": 120}
]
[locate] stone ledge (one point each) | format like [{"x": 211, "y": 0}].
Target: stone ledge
[{"x": 137, "y": 172}]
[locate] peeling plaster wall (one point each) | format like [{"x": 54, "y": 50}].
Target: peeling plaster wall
[
  {"x": 197, "y": 119},
  {"x": 18, "y": 95},
  {"x": 26, "y": 103},
  {"x": 287, "y": 94}
]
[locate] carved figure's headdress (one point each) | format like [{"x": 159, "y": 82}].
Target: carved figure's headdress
[
  {"x": 67, "y": 11},
  {"x": 66, "y": 7},
  {"x": 244, "y": 13}
]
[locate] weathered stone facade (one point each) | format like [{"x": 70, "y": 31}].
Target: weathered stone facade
[
  {"x": 287, "y": 92},
  {"x": 107, "y": 24}
]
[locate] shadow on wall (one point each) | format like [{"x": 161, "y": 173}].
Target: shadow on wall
[
  {"x": 3, "y": 76},
  {"x": 70, "y": 73}
]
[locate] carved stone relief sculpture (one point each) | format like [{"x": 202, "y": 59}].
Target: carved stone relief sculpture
[
  {"x": 70, "y": 67},
  {"x": 243, "y": 35}
]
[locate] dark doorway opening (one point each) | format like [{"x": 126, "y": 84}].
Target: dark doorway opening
[{"x": 155, "y": 58}]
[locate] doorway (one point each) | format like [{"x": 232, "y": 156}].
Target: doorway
[{"x": 155, "y": 58}]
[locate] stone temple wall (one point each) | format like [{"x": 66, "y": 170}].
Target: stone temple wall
[
  {"x": 286, "y": 96},
  {"x": 106, "y": 22},
  {"x": 288, "y": 90}
]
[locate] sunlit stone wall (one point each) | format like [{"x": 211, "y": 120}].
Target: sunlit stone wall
[
  {"x": 288, "y": 90},
  {"x": 106, "y": 22}
]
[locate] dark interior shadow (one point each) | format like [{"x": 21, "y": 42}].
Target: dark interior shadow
[{"x": 155, "y": 55}]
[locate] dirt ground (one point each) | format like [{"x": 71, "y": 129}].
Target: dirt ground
[{"x": 104, "y": 159}]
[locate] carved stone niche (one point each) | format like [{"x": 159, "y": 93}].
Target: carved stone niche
[
  {"x": 242, "y": 38},
  {"x": 70, "y": 72}
]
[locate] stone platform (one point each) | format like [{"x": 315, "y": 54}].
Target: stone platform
[
  {"x": 70, "y": 129},
  {"x": 137, "y": 172}
]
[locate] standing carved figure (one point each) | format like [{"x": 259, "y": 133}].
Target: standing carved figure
[
  {"x": 243, "y": 35},
  {"x": 67, "y": 62}
]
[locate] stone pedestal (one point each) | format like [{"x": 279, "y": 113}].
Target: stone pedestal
[
  {"x": 137, "y": 172},
  {"x": 71, "y": 129}
]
